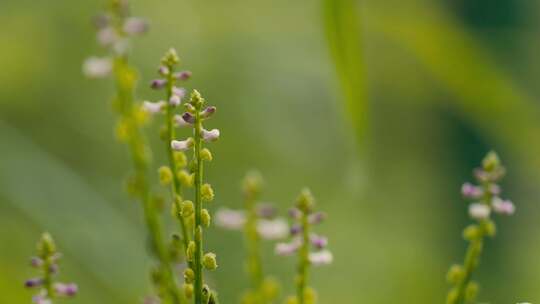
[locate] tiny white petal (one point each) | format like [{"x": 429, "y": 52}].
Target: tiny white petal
[
  {"x": 107, "y": 36},
  {"x": 95, "y": 67},
  {"x": 273, "y": 229},
  {"x": 479, "y": 211},
  {"x": 505, "y": 207},
  {"x": 286, "y": 249},
  {"x": 153, "y": 107},
  {"x": 323, "y": 257},
  {"x": 211, "y": 135},
  {"x": 230, "y": 219},
  {"x": 181, "y": 145},
  {"x": 135, "y": 26},
  {"x": 175, "y": 100},
  {"x": 179, "y": 121}
]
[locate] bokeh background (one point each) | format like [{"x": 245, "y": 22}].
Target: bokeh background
[{"x": 381, "y": 107}]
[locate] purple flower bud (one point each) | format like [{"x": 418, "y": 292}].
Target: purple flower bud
[
  {"x": 67, "y": 290},
  {"x": 163, "y": 70},
  {"x": 135, "y": 26},
  {"x": 319, "y": 258},
  {"x": 479, "y": 211},
  {"x": 316, "y": 218},
  {"x": 209, "y": 111},
  {"x": 153, "y": 107},
  {"x": 285, "y": 249},
  {"x": 211, "y": 135},
  {"x": 295, "y": 213},
  {"x": 182, "y": 145},
  {"x": 53, "y": 268},
  {"x": 183, "y": 75},
  {"x": 101, "y": 21},
  {"x": 157, "y": 84},
  {"x": 266, "y": 210},
  {"x": 179, "y": 121},
  {"x": 230, "y": 219},
  {"x": 34, "y": 282},
  {"x": 36, "y": 262},
  {"x": 318, "y": 241},
  {"x": 296, "y": 229},
  {"x": 95, "y": 67},
  {"x": 505, "y": 207},
  {"x": 469, "y": 190},
  {"x": 272, "y": 229},
  {"x": 188, "y": 117}
]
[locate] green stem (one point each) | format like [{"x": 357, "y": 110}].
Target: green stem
[
  {"x": 251, "y": 235},
  {"x": 137, "y": 146},
  {"x": 471, "y": 261},
  {"x": 47, "y": 277},
  {"x": 303, "y": 264},
  {"x": 198, "y": 209}
]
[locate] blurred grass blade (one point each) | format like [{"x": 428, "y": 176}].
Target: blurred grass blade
[{"x": 342, "y": 24}]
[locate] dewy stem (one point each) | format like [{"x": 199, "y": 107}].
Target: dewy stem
[
  {"x": 176, "y": 184},
  {"x": 124, "y": 81},
  {"x": 303, "y": 263},
  {"x": 198, "y": 208}
]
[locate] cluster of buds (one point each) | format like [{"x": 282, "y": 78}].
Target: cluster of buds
[
  {"x": 114, "y": 28},
  {"x": 47, "y": 262},
  {"x": 310, "y": 247},
  {"x": 486, "y": 200}
]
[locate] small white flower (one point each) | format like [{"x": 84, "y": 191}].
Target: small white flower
[
  {"x": 479, "y": 211},
  {"x": 273, "y": 229},
  {"x": 323, "y": 257},
  {"x": 135, "y": 26},
  {"x": 505, "y": 207},
  {"x": 181, "y": 92},
  {"x": 95, "y": 67},
  {"x": 107, "y": 36},
  {"x": 179, "y": 121},
  {"x": 230, "y": 219},
  {"x": 288, "y": 248},
  {"x": 153, "y": 107},
  {"x": 175, "y": 100},
  {"x": 182, "y": 145},
  {"x": 211, "y": 135}
]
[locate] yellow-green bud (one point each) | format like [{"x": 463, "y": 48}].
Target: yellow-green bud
[
  {"x": 180, "y": 159},
  {"x": 489, "y": 227},
  {"x": 270, "y": 289},
  {"x": 291, "y": 300},
  {"x": 185, "y": 178},
  {"x": 196, "y": 99},
  {"x": 206, "y": 155},
  {"x": 189, "y": 275},
  {"x": 205, "y": 218},
  {"x": 209, "y": 261},
  {"x": 455, "y": 274},
  {"x": 310, "y": 295},
  {"x": 305, "y": 201},
  {"x": 188, "y": 290},
  {"x": 491, "y": 161},
  {"x": 170, "y": 58},
  {"x": 165, "y": 175},
  {"x": 452, "y": 296},
  {"x": 140, "y": 116},
  {"x": 122, "y": 131},
  {"x": 187, "y": 208},
  {"x": 472, "y": 232},
  {"x": 190, "y": 252},
  {"x": 46, "y": 245},
  {"x": 207, "y": 193},
  {"x": 471, "y": 291},
  {"x": 252, "y": 183}
]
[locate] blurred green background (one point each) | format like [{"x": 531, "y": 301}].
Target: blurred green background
[{"x": 381, "y": 107}]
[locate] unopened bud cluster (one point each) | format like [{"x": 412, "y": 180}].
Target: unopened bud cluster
[
  {"x": 486, "y": 200},
  {"x": 46, "y": 262}
]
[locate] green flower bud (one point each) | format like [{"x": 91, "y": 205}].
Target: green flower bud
[
  {"x": 310, "y": 295},
  {"x": 187, "y": 208},
  {"x": 471, "y": 291},
  {"x": 270, "y": 289},
  {"x": 209, "y": 261},
  {"x": 189, "y": 275},
  {"x": 207, "y": 193},
  {"x": 291, "y": 300},
  {"x": 206, "y": 294},
  {"x": 188, "y": 290},
  {"x": 452, "y": 296},
  {"x": 185, "y": 178},
  {"x": 180, "y": 159},
  {"x": 206, "y": 155},
  {"x": 472, "y": 232},
  {"x": 205, "y": 218},
  {"x": 455, "y": 274},
  {"x": 122, "y": 131},
  {"x": 165, "y": 175},
  {"x": 190, "y": 252},
  {"x": 170, "y": 58},
  {"x": 305, "y": 201},
  {"x": 491, "y": 161},
  {"x": 46, "y": 246},
  {"x": 196, "y": 99},
  {"x": 489, "y": 227},
  {"x": 252, "y": 183}
]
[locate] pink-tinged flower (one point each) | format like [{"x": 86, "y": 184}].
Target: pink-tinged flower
[
  {"x": 316, "y": 218},
  {"x": 479, "y": 211},
  {"x": 175, "y": 100},
  {"x": 107, "y": 36},
  {"x": 188, "y": 117},
  {"x": 286, "y": 249},
  {"x": 495, "y": 189},
  {"x": 209, "y": 111},
  {"x": 182, "y": 145},
  {"x": 95, "y": 67},
  {"x": 134, "y": 26},
  {"x": 183, "y": 75},
  {"x": 469, "y": 190},
  {"x": 66, "y": 289},
  {"x": 153, "y": 107},
  {"x": 179, "y": 91},
  {"x": 179, "y": 121},
  {"x": 272, "y": 229},
  {"x": 163, "y": 70},
  {"x": 319, "y": 258},
  {"x": 266, "y": 210},
  {"x": 36, "y": 262},
  {"x": 211, "y": 135},
  {"x": 230, "y": 219},
  {"x": 318, "y": 241},
  {"x": 296, "y": 229},
  {"x": 295, "y": 213},
  {"x": 157, "y": 84},
  {"x": 35, "y": 282},
  {"x": 41, "y": 299},
  {"x": 505, "y": 207}
]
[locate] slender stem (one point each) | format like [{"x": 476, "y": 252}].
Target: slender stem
[
  {"x": 303, "y": 264},
  {"x": 137, "y": 146},
  {"x": 176, "y": 187},
  {"x": 198, "y": 208},
  {"x": 47, "y": 277},
  {"x": 252, "y": 245}
]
